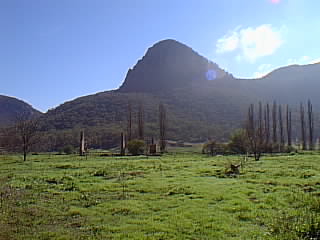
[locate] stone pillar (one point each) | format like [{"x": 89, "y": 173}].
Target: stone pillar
[
  {"x": 152, "y": 147},
  {"x": 122, "y": 144},
  {"x": 82, "y": 144}
]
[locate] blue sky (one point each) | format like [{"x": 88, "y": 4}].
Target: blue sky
[{"x": 52, "y": 51}]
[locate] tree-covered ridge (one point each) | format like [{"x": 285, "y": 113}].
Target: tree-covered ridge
[{"x": 10, "y": 107}]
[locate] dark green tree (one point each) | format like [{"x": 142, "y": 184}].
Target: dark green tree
[
  {"x": 239, "y": 142},
  {"x": 136, "y": 146}
]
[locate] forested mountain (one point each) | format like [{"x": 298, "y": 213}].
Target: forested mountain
[
  {"x": 193, "y": 115},
  {"x": 11, "y": 107},
  {"x": 170, "y": 73},
  {"x": 202, "y": 100}
]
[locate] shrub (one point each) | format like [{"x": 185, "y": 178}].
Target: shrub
[
  {"x": 214, "y": 148},
  {"x": 239, "y": 142},
  {"x": 136, "y": 147},
  {"x": 68, "y": 149}
]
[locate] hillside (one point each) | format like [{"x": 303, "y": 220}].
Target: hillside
[
  {"x": 202, "y": 100},
  {"x": 292, "y": 84},
  {"x": 193, "y": 115},
  {"x": 11, "y": 107}
]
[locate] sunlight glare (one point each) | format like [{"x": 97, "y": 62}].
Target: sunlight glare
[
  {"x": 211, "y": 74},
  {"x": 275, "y": 1}
]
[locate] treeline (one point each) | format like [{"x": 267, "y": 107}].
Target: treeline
[
  {"x": 268, "y": 128},
  {"x": 25, "y": 135},
  {"x": 191, "y": 115}
]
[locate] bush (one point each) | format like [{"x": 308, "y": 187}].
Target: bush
[
  {"x": 136, "y": 147},
  {"x": 214, "y": 148},
  {"x": 68, "y": 149},
  {"x": 239, "y": 142}
]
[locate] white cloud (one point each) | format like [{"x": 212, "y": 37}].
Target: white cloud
[
  {"x": 303, "y": 60},
  {"x": 316, "y": 60},
  {"x": 239, "y": 58},
  {"x": 228, "y": 43},
  {"x": 263, "y": 70},
  {"x": 259, "y": 42},
  {"x": 253, "y": 43}
]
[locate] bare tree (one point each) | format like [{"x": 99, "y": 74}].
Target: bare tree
[
  {"x": 260, "y": 122},
  {"x": 281, "y": 130},
  {"x": 289, "y": 129},
  {"x": 267, "y": 123},
  {"x": 303, "y": 128},
  {"x": 255, "y": 140},
  {"x": 141, "y": 122},
  {"x": 274, "y": 123},
  {"x": 26, "y": 130},
  {"x": 129, "y": 122},
  {"x": 310, "y": 125},
  {"x": 162, "y": 127}
]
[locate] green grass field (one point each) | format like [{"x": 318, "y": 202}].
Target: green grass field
[{"x": 176, "y": 196}]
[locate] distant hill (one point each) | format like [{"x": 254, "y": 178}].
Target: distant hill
[
  {"x": 202, "y": 100},
  {"x": 291, "y": 84},
  {"x": 11, "y": 107}
]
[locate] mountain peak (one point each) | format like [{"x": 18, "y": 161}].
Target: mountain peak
[
  {"x": 169, "y": 64},
  {"x": 168, "y": 41},
  {"x": 169, "y": 44}
]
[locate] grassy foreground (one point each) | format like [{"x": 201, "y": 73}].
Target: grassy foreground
[{"x": 176, "y": 196}]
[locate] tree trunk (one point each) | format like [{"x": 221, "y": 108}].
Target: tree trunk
[
  {"x": 310, "y": 125},
  {"x": 162, "y": 127},
  {"x": 253, "y": 134},
  {"x": 267, "y": 124},
  {"x": 289, "y": 130},
  {"x": 274, "y": 126},
  {"x": 303, "y": 128},
  {"x": 129, "y": 123},
  {"x": 141, "y": 122},
  {"x": 281, "y": 130}
]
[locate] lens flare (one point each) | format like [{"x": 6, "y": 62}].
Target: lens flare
[
  {"x": 211, "y": 74},
  {"x": 275, "y": 1}
]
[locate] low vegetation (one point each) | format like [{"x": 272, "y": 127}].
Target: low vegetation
[
  {"x": 136, "y": 147},
  {"x": 174, "y": 196}
]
